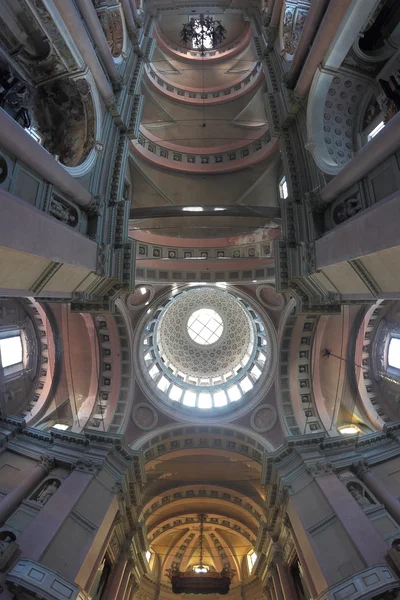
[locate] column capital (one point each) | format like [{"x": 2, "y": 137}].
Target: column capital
[
  {"x": 361, "y": 468},
  {"x": 93, "y": 208},
  {"x": 277, "y": 553},
  {"x": 86, "y": 466},
  {"x": 320, "y": 468},
  {"x": 271, "y": 570},
  {"x": 46, "y": 462}
]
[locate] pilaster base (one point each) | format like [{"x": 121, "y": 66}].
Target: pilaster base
[
  {"x": 29, "y": 578},
  {"x": 376, "y": 582}
]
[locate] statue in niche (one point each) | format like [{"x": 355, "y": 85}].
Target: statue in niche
[
  {"x": 15, "y": 96},
  {"x": 62, "y": 213},
  {"x": 8, "y": 547},
  {"x": 346, "y": 209},
  {"x": 5, "y": 542},
  {"x": 359, "y": 494},
  {"x": 47, "y": 491},
  {"x": 394, "y": 554}
]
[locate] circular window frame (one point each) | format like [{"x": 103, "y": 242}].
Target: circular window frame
[
  {"x": 220, "y": 324},
  {"x": 177, "y": 409}
]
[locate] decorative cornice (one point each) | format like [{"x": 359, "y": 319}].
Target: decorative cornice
[
  {"x": 208, "y": 96},
  {"x": 221, "y": 273},
  {"x": 361, "y": 468},
  {"x": 320, "y": 468},
  {"x": 87, "y": 466},
  {"x": 204, "y": 160},
  {"x": 47, "y": 463}
]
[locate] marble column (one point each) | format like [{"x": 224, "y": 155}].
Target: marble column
[
  {"x": 96, "y": 31},
  {"x": 300, "y": 556},
  {"x": 100, "y": 556},
  {"x": 15, "y": 140},
  {"x": 116, "y": 578},
  {"x": 23, "y": 489},
  {"x": 135, "y": 12},
  {"x": 78, "y": 33},
  {"x": 379, "y": 489},
  {"x": 276, "y": 13},
  {"x": 43, "y": 530},
  {"x": 269, "y": 591},
  {"x": 130, "y": 21},
  {"x": 286, "y": 582},
  {"x": 364, "y": 536},
  {"x": 331, "y": 22},
  {"x": 129, "y": 587},
  {"x": 268, "y": 14},
  {"x": 124, "y": 581},
  {"x": 383, "y": 145},
  {"x": 348, "y": 241},
  {"x": 313, "y": 20},
  {"x": 49, "y": 238},
  {"x": 276, "y": 583}
]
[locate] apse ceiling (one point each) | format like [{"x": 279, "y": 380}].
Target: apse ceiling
[{"x": 204, "y": 137}]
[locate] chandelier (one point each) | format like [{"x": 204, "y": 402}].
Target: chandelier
[
  {"x": 200, "y": 580},
  {"x": 203, "y": 33}
]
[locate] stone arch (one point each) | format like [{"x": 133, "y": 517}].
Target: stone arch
[
  {"x": 113, "y": 405},
  {"x": 232, "y": 438},
  {"x": 334, "y": 101},
  {"x": 28, "y": 390},
  {"x": 365, "y": 378},
  {"x": 187, "y": 492}
]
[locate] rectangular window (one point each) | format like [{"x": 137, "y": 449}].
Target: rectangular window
[
  {"x": 375, "y": 131},
  {"x": 11, "y": 351},
  {"x": 283, "y": 188}
]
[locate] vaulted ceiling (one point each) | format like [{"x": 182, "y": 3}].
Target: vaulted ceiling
[
  {"x": 223, "y": 485},
  {"x": 204, "y": 137}
]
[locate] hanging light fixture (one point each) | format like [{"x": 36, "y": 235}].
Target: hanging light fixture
[
  {"x": 200, "y": 580},
  {"x": 203, "y": 33}
]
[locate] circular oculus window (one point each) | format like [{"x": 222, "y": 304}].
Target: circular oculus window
[
  {"x": 205, "y": 326},
  {"x": 205, "y": 350}
]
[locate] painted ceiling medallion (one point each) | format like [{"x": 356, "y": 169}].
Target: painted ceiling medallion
[
  {"x": 264, "y": 418},
  {"x": 144, "y": 416}
]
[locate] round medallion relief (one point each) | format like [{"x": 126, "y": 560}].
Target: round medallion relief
[
  {"x": 264, "y": 418},
  {"x": 140, "y": 297},
  {"x": 270, "y": 298},
  {"x": 144, "y": 416}
]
